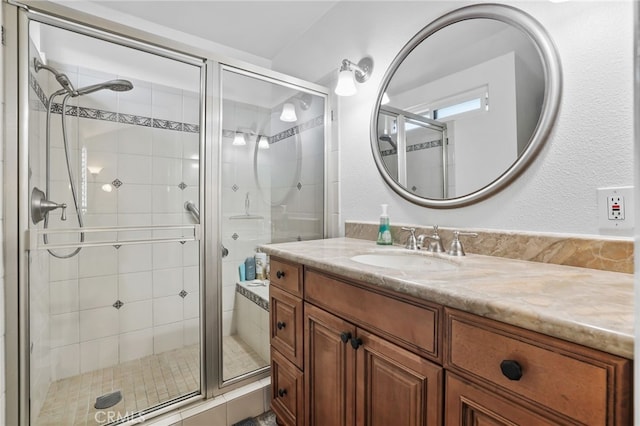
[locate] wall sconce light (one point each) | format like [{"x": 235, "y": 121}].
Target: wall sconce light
[
  {"x": 94, "y": 170},
  {"x": 385, "y": 99},
  {"x": 348, "y": 71},
  {"x": 239, "y": 140},
  {"x": 263, "y": 142},
  {"x": 288, "y": 112}
]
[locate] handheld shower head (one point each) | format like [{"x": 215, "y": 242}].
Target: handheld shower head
[{"x": 115, "y": 85}]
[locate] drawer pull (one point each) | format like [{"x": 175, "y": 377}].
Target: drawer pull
[
  {"x": 356, "y": 343},
  {"x": 280, "y": 274},
  {"x": 511, "y": 369},
  {"x": 282, "y": 392},
  {"x": 345, "y": 336},
  {"x": 281, "y": 325}
]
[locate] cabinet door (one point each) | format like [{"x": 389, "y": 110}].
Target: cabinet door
[
  {"x": 471, "y": 405},
  {"x": 287, "y": 390},
  {"x": 286, "y": 324},
  {"x": 329, "y": 368},
  {"x": 395, "y": 386}
]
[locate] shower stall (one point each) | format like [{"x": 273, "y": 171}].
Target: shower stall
[{"x": 146, "y": 178}]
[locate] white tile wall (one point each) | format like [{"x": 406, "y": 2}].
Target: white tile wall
[
  {"x": 253, "y": 326},
  {"x": 86, "y": 331}
]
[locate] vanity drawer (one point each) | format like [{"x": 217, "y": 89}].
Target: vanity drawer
[
  {"x": 286, "y": 325},
  {"x": 286, "y": 275},
  {"x": 414, "y": 326},
  {"x": 287, "y": 390},
  {"x": 569, "y": 379}
]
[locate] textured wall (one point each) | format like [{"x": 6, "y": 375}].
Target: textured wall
[{"x": 591, "y": 145}]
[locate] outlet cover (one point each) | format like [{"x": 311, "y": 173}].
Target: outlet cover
[{"x": 615, "y": 208}]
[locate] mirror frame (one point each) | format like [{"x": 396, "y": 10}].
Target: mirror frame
[{"x": 550, "y": 106}]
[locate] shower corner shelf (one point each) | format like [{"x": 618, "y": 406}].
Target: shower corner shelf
[{"x": 246, "y": 216}]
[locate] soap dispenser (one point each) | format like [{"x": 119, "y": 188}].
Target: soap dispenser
[{"x": 384, "y": 231}]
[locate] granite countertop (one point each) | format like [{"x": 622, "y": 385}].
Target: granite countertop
[{"x": 586, "y": 306}]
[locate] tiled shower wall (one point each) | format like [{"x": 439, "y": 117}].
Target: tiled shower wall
[
  {"x": 121, "y": 302},
  {"x": 240, "y": 235},
  {"x": 285, "y": 185}
]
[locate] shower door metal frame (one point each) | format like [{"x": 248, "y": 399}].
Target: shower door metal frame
[
  {"x": 16, "y": 14},
  {"x": 19, "y": 340},
  {"x": 285, "y": 81}
]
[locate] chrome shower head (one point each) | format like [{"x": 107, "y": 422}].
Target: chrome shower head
[{"x": 115, "y": 85}]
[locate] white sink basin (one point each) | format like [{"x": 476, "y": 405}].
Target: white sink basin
[{"x": 405, "y": 261}]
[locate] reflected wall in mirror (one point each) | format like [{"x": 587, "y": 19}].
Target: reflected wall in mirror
[{"x": 472, "y": 97}]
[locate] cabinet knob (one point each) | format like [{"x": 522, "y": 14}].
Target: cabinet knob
[
  {"x": 281, "y": 325},
  {"x": 280, "y": 274},
  {"x": 345, "y": 336},
  {"x": 511, "y": 369},
  {"x": 356, "y": 343},
  {"x": 282, "y": 392}
]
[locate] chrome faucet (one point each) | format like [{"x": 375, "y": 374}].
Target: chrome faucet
[
  {"x": 435, "y": 241},
  {"x": 456, "y": 246}
]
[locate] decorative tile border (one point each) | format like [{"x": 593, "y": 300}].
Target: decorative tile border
[
  {"x": 607, "y": 254},
  {"x": 264, "y": 304},
  {"x": 307, "y": 125},
  {"x": 33, "y": 82},
  {"x": 98, "y": 114},
  {"x": 115, "y": 117},
  {"x": 416, "y": 147}
]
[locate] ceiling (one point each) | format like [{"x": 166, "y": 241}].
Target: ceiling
[{"x": 262, "y": 28}]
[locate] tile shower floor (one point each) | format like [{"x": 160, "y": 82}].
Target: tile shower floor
[{"x": 144, "y": 382}]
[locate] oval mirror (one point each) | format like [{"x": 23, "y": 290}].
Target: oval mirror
[{"x": 466, "y": 105}]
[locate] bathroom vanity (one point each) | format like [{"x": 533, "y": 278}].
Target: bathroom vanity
[{"x": 465, "y": 341}]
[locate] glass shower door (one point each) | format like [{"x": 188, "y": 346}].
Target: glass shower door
[
  {"x": 115, "y": 259},
  {"x": 272, "y": 190}
]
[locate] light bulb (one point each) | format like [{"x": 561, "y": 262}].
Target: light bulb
[
  {"x": 288, "y": 113},
  {"x": 238, "y": 139},
  {"x": 346, "y": 86},
  {"x": 263, "y": 143},
  {"x": 94, "y": 170}
]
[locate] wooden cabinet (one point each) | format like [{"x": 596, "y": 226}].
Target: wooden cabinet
[
  {"x": 329, "y": 368},
  {"x": 563, "y": 382},
  {"x": 354, "y": 377},
  {"x": 286, "y": 325},
  {"x": 286, "y": 330},
  {"x": 348, "y": 353},
  {"x": 468, "y": 404},
  {"x": 395, "y": 386},
  {"x": 287, "y": 390}
]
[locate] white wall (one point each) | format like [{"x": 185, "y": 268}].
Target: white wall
[{"x": 590, "y": 146}]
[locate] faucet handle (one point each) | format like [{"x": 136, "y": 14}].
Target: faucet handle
[
  {"x": 456, "y": 246},
  {"x": 412, "y": 243}
]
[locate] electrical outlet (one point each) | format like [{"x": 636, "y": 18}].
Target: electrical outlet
[{"x": 615, "y": 208}]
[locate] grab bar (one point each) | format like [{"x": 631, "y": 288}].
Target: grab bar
[
  {"x": 191, "y": 208},
  {"x": 34, "y": 240}
]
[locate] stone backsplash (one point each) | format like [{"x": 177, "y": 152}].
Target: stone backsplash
[{"x": 604, "y": 253}]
